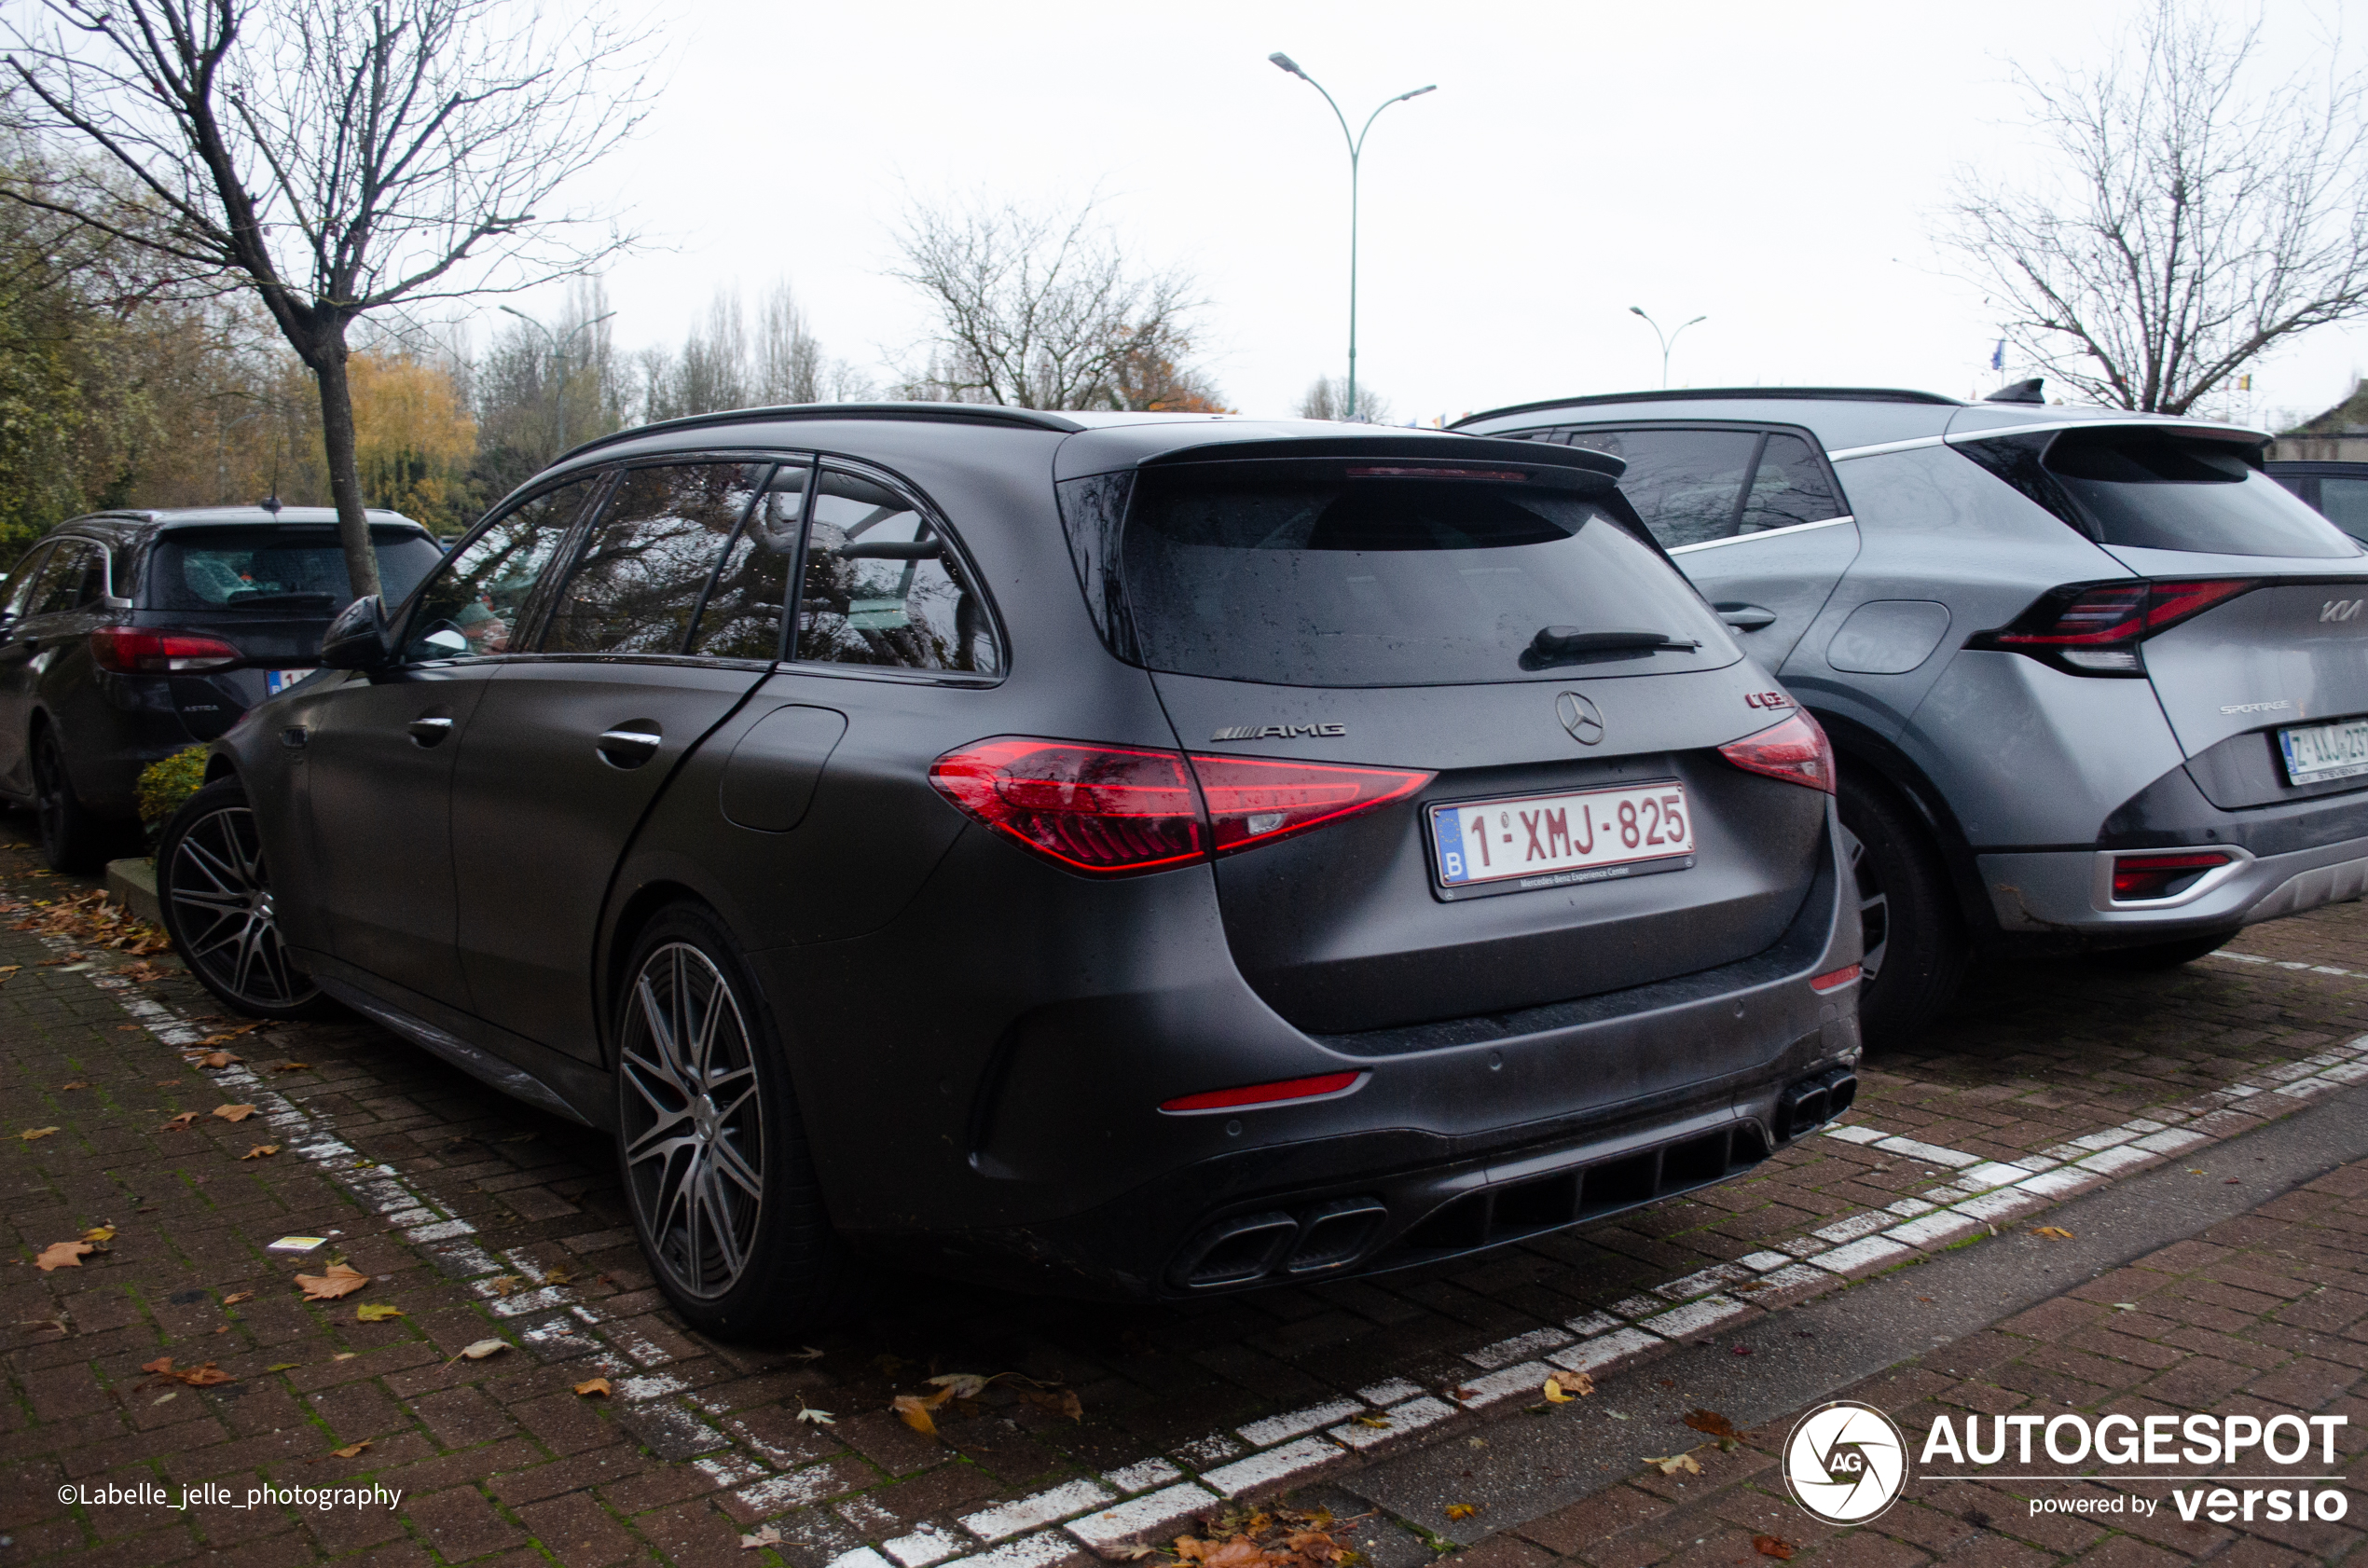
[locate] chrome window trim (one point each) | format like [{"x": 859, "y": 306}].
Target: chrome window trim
[
  {"x": 1764, "y": 534},
  {"x": 1908, "y": 446}
]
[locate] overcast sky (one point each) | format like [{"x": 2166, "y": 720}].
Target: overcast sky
[{"x": 1776, "y": 168}]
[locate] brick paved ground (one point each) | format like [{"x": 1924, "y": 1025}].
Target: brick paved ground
[
  {"x": 2262, "y": 1315},
  {"x": 479, "y": 1217}
]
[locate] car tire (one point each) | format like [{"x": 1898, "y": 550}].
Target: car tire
[
  {"x": 215, "y": 891},
  {"x": 1915, "y": 939},
  {"x": 2162, "y": 955},
  {"x": 717, "y": 1170},
  {"x": 71, "y": 838}
]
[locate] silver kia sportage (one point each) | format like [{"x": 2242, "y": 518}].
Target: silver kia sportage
[{"x": 2096, "y": 683}]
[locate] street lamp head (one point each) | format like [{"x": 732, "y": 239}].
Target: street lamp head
[
  {"x": 1638, "y": 310},
  {"x": 514, "y": 310},
  {"x": 1284, "y": 62},
  {"x": 1417, "y": 92},
  {"x": 1695, "y": 319}
]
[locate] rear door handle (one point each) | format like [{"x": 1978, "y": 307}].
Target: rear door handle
[
  {"x": 430, "y": 731},
  {"x": 628, "y": 748},
  {"x": 1745, "y": 617}
]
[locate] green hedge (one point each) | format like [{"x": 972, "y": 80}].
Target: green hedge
[{"x": 164, "y": 785}]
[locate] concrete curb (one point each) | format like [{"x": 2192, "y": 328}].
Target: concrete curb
[{"x": 133, "y": 883}]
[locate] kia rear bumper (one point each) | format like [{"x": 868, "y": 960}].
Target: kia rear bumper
[{"x": 2073, "y": 891}]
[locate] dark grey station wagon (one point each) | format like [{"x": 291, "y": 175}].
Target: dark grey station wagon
[{"x": 1133, "y": 855}]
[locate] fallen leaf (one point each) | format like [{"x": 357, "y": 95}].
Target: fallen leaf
[
  {"x": 960, "y": 1385},
  {"x": 77, "y": 1083},
  {"x": 1746, "y": 1349},
  {"x": 1554, "y": 1394},
  {"x": 57, "y": 1323},
  {"x": 261, "y": 1152},
  {"x": 62, "y": 1255},
  {"x": 1461, "y": 1510},
  {"x": 99, "y": 1235},
  {"x": 30, "y": 1133},
  {"x": 181, "y": 1123},
  {"x": 807, "y": 1354},
  {"x": 767, "y": 1535},
  {"x": 594, "y": 1388},
  {"x": 1379, "y": 1422},
  {"x": 238, "y": 1296},
  {"x": 204, "y": 1376},
  {"x": 2052, "y": 1234},
  {"x": 168, "y": 1394},
  {"x": 352, "y": 1451},
  {"x": 1674, "y": 1463},
  {"x": 914, "y": 1411},
  {"x": 283, "y": 1365},
  {"x": 1576, "y": 1382},
  {"x": 481, "y": 1349},
  {"x": 217, "y": 1059},
  {"x": 234, "y": 1113},
  {"x": 1061, "y": 1401},
  {"x": 142, "y": 972},
  {"x": 558, "y": 1276},
  {"x": 2125, "y": 1306},
  {"x": 293, "y": 1068},
  {"x": 819, "y": 1418},
  {"x": 1712, "y": 1422},
  {"x": 342, "y": 1279},
  {"x": 1770, "y": 1546},
  {"x": 507, "y": 1284},
  {"x": 376, "y": 1312},
  {"x": 345, "y": 1356}
]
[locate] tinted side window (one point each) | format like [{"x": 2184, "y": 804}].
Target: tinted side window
[
  {"x": 1788, "y": 487},
  {"x": 76, "y": 575},
  {"x": 648, "y": 559},
  {"x": 1686, "y": 484},
  {"x": 23, "y": 581},
  {"x": 884, "y": 587},
  {"x": 742, "y": 616},
  {"x": 471, "y": 605}
]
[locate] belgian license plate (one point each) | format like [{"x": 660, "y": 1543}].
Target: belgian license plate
[
  {"x": 278, "y": 680},
  {"x": 2322, "y": 752},
  {"x": 1555, "y": 841}
]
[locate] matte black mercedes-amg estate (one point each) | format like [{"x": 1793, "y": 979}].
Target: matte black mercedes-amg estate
[{"x": 1135, "y": 854}]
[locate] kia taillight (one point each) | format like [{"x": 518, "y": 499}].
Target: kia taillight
[
  {"x": 1796, "y": 751},
  {"x": 138, "y": 651},
  {"x": 1115, "y": 810},
  {"x": 2137, "y": 878},
  {"x": 2095, "y": 629}
]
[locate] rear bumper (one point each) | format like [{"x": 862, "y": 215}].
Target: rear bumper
[{"x": 2070, "y": 891}]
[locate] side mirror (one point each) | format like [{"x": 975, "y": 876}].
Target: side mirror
[{"x": 357, "y": 639}]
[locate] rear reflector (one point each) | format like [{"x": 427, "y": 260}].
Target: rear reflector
[
  {"x": 1264, "y": 1094},
  {"x": 1834, "y": 979},
  {"x": 1796, "y": 752},
  {"x": 2139, "y": 877},
  {"x": 1116, "y": 810},
  {"x": 138, "y": 651}
]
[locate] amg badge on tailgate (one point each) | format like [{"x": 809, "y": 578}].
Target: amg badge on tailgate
[{"x": 1279, "y": 731}]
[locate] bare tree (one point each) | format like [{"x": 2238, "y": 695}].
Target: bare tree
[
  {"x": 335, "y": 157},
  {"x": 1040, "y": 310},
  {"x": 1326, "y": 398},
  {"x": 2193, "y": 217}
]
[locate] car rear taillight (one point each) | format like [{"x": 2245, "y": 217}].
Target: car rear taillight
[
  {"x": 2095, "y": 629},
  {"x": 2141, "y": 877},
  {"x": 1264, "y": 1094},
  {"x": 1796, "y": 751},
  {"x": 138, "y": 651},
  {"x": 1117, "y": 810}
]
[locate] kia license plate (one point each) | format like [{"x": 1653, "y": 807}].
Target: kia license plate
[
  {"x": 278, "y": 680},
  {"x": 1525, "y": 842},
  {"x": 2318, "y": 752}
]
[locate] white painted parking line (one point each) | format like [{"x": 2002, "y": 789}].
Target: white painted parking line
[
  {"x": 1290, "y": 1423},
  {"x": 1520, "y": 1347},
  {"x": 1114, "y": 1528},
  {"x": 1399, "y": 1419},
  {"x": 1006, "y": 1519},
  {"x": 1276, "y": 1465}
]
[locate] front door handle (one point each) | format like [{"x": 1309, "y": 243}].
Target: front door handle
[
  {"x": 1745, "y": 617},
  {"x": 629, "y": 746},
  {"x": 430, "y": 731}
]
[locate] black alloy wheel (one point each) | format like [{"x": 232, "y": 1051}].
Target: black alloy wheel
[
  {"x": 71, "y": 839},
  {"x": 715, "y": 1161},
  {"x": 1915, "y": 939},
  {"x": 215, "y": 891}
]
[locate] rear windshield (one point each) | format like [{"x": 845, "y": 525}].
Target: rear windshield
[
  {"x": 2154, "y": 490},
  {"x": 297, "y": 570},
  {"x": 1343, "y": 579}
]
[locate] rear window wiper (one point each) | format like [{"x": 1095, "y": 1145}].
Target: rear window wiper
[{"x": 1567, "y": 645}]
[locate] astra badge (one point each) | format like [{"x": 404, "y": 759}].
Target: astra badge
[
  {"x": 1582, "y": 718},
  {"x": 1845, "y": 1462}
]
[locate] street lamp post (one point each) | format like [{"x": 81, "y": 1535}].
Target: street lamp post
[
  {"x": 560, "y": 347},
  {"x": 1669, "y": 340},
  {"x": 1355, "y": 151}
]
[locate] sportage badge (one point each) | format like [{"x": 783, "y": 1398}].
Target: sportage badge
[{"x": 1845, "y": 1462}]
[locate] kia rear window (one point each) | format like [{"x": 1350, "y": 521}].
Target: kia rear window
[
  {"x": 287, "y": 570},
  {"x": 2157, "y": 490},
  {"x": 1346, "y": 579}
]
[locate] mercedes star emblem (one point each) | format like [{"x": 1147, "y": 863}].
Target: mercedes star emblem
[{"x": 1580, "y": 717}]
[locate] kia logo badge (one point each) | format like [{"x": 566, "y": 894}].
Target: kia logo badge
[{"x": 1580, "y": 717}]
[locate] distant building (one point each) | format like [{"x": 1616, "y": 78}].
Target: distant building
[{"x": 2339, "y": 436}]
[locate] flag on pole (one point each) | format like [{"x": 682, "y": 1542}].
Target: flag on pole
[{"x": 1997, "y": 355}]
